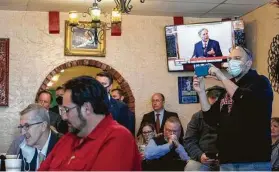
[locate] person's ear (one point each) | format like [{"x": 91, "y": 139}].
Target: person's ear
[
  {"x": 44, "y": 126},
  {"x": 87, "y": 108},
  {"x": 249, "y": 64}
]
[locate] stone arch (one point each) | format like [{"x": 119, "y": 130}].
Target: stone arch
[{"x": 94, "y": 63}]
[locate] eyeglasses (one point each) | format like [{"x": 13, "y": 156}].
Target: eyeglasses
[
  {"x": 27, "y": 126},
  {"x": 65, "y": 110},
  {"x": 147, "y": 132},
  {"x": 171, "y": 131}
]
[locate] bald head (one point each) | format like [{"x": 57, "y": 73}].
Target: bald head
[{"x": 158, "y": 101}]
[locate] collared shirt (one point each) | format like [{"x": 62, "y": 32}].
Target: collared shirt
[
  {"x": 161, "y": 116},
  {"x": 154, "y": 151},
  {"x": 109, "y": 147},
  {"x": 204, "y": 44},
  {"x": 43, "y": 151}
]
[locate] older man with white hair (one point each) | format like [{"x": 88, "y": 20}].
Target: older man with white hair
[{"x": 38, "y": 139}]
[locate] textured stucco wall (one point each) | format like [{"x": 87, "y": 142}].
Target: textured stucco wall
[
  {"x": 139, "y": 55},
  {"x": 261, "y": 26}
]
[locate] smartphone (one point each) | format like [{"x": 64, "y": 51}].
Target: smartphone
[
  {"x": 211, "y": 155},
  {"x": 202, "y": 70}
]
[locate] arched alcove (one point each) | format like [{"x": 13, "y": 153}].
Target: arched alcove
[{"x": 94, "y": 63}]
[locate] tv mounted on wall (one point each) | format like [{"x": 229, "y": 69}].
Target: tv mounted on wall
[{"x": 192, "y": 44}]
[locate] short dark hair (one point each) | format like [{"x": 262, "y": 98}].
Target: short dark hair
[
  {"x": 120, "y": 92},
  {"x": 106, "y": 74},
  {"x": 46, "y": 92},
  {"x": 59, "y": 88},
  {"x": 87, "y": 89},
  {"x": 215, "y": 91}
]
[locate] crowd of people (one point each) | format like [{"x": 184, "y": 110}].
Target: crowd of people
[{"x": 92, "y": 128}]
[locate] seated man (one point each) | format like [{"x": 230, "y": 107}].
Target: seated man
[
  {"x": 95, "y": 141},
  {"x": 200, "y": 138},
  {"x": 159, "y": 115},
  {"x": 165, "y": 152},
  {"x": 38, "y": 140}
]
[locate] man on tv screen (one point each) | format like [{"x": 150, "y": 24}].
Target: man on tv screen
[{"x": 206, "y": 47}]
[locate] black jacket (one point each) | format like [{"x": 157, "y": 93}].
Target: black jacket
[
  {"x": 200, "y": 137},
  {"x": 244, "y": 124},
  {"x": 122, "y": 114}
]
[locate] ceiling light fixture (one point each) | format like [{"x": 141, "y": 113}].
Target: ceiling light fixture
[{"x": 122, "y": 6}]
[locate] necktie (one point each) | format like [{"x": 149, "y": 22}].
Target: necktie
[
  {"x": 41, "y": 158},
  {"x": 204, "y": 50},
  {"x": 157, "y": 123}
]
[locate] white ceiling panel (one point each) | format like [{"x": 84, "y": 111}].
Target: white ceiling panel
[
  {"x": 258, "y": 2},
  {"x": 191, "y": 8},
  {"x": 186, "y": 1},
  {"x": 176, "y": 7},
  {"x": 13, "y": 2},
  {"x": 234, "y": 9}
]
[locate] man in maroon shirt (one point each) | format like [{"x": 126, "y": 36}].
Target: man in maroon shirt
[{"x": 95, "y": 142}]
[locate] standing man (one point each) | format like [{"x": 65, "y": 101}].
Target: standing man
[
  {"x": 119, "y": 110},
  {"x": 117, "y": 94},
  {"x": 206, "y": 47},
  {"x": 96, "y": 142},
  {"x": 62, "y": 126},
  {"x": 159, "y": 115},
  {"x": 242, "y": 115}
]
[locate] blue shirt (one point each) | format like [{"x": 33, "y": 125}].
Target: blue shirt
[{"x": 154, "y": 151}]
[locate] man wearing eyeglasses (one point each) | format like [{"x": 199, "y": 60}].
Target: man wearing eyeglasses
[
  {"x": 95, "y": 142},
  {"x": 241, "y": 115},
  {"x": 166, "y": 152},
  {"x": 38, "y": 139}
]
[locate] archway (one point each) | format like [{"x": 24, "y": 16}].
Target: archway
[{"x": 94, "y": 63}]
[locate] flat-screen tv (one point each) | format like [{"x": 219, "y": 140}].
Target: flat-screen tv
[{"x": 201, "y": 43}]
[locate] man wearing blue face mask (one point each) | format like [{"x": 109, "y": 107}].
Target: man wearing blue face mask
[{"x": 242, "y": 114}]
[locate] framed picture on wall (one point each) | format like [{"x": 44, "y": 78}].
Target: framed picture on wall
[
  {"x": 4, "y": 71},
  {"x": 83, "y": 40},
  {"x": 186, "y": 93}
]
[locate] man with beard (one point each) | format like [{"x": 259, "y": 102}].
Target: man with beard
[
  {"x": 38, "y": 139},
  {"x": 95, "y": 141},
  {"x": 243, "y": 144}
]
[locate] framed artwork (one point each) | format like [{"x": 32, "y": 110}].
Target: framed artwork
[
  {"x": 83, "y": 40},
  {"x": 186, "y": 93},
  {"x": 4, "y": 71}
]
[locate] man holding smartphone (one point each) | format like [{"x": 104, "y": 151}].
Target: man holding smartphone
[{"x": 242, "y": 114}]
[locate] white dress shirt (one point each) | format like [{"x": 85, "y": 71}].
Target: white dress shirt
[{"x": 43, "y": 151}]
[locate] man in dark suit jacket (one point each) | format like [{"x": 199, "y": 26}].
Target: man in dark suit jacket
[
  {"x": 119, "y": 110},
  {"x": 60, "y": 125},
  {"x": 206, "y": 47},
  {"x": 158, "y": 101}
]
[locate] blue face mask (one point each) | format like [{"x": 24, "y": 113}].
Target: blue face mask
[
  {"x": 235, "y": 67},
  {"x": 27, "y": 151}
]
